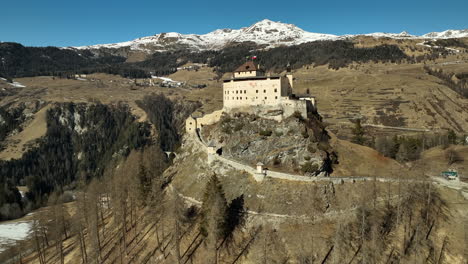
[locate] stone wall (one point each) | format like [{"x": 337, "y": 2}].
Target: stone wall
[
  {"x": 209, "y": 119},
  {"x": 284, "y": 109}
]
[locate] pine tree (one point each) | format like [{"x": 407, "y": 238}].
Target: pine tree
[
  {"x": 452, "y": 137},
  {"x": 403, "y": 153},
  {"x": 358, "y": 132},
  {"x": 213, "y": 215}
]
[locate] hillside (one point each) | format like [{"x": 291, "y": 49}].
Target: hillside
[{"x": 93, "y": 145}]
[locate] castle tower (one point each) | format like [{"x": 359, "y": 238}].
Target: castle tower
[{"x": 248, "y": 69}]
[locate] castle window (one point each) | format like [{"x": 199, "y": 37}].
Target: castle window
[
  {"x": 237, "y": 98},
  {"x": 265, "y": 97},
  {"x": 276, "y": 97},
  {"x": 237, "y": 91},
  {"x": 264, "y": 91},
  {"x": 256, "y": 91},
  {"x": 276, "y": 90},
  {"x": 241, "y": 98},
  {"x": 245, "y": 91}
]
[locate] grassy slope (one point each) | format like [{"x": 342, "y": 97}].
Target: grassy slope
[{"x": 17, "y": 143}]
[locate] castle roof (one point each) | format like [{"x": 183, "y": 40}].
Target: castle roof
[{"x": 248, "y": 66}]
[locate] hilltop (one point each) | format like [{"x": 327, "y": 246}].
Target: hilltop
[{"x": 265, "y": 33}]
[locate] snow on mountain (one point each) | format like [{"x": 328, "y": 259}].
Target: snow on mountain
[
  {"x": 447, "y": 34},
  {"x": 265, "y": 32},
  {"x": 402, "y": 35}
]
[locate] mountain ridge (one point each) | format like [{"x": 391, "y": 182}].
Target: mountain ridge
[{"x": 265, "y": 32}]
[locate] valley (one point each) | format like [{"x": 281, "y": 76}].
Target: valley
[{"x": 99, "y": 164}]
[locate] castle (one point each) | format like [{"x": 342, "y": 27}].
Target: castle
[{"x": 250, "y": 90}]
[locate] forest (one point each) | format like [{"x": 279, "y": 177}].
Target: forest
[
  {"x": 335, "y": 53},
  {"x": 460, "y": 86},
  {"x": 66, "y": 153},
  {"x": 81, "y": 140},
  {"x": 19, "y": 61},
  {"x": 404, "y": 148}
]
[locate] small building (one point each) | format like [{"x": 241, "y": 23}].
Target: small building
[
  {"x": 260, "y": 167},
  {"x": 190, "y": 124}
]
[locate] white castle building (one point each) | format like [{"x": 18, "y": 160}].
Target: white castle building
[{"x": 250, "y": 90}]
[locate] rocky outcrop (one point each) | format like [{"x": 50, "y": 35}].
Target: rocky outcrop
[{"x": 293, "y": 145}]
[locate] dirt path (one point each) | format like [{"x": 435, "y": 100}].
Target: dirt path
[{"x": 348, "y": 179}]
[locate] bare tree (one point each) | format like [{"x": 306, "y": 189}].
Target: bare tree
[
  {"x": 94, "y": 195},
  {"x": 79, "y": 224},
  {"x": 453, "y": 156}
]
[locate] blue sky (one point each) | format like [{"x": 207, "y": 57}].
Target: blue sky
[{"x": 85, "y": 22}]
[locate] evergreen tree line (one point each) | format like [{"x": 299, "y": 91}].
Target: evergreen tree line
[
  {"x": 168, "y": 117},
  {"x": 460, "y": 86},
  {"x": 409, "y": 148},
  {"x": 19, "y": 61},
  {"x": 9, "y": 121},
  {"x": 448, "y": 43},
  {"x": 80, "y": 141},
  {"x": 335, "y": 53}
]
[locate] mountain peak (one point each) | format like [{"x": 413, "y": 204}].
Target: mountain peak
[
  {"x": 264, "y": 32},
  {"x": 266, "y": 21}
]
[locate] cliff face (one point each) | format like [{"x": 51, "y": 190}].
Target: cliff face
[{"x": 293, "y": 145}]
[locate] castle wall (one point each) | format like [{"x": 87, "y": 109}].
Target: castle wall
[
  {"x": 238, "y": 93},
  {"x": 209, "y": 119},
  {"x": 284, "y": 109}
]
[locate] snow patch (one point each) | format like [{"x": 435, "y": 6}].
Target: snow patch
[
  {"x": 11, "y": 232},
  {"x": 17, "y": 85}
]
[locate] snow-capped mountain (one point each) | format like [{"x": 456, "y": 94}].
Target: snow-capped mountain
[
  {"x": 401, "y": 35},
  {"x": 447, "y": 34},
  {"x": 265, "y": 32}
]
